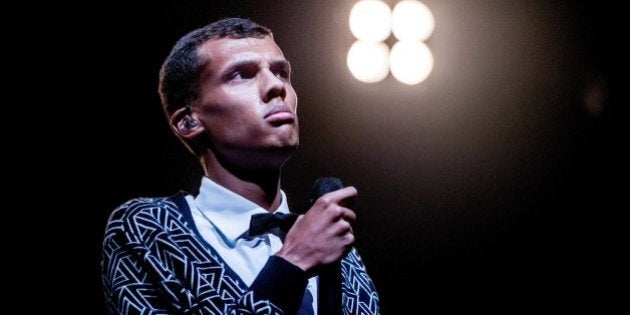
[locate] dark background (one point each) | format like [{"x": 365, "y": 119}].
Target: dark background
[{"x": 489, "y": 187}]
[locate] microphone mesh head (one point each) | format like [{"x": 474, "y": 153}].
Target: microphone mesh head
[{"x": 324, "y": 185}]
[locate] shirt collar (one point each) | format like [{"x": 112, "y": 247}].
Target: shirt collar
[{"x": 229, "y": 212}]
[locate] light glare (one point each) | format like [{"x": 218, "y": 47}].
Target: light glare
[
  {"x": 368, "y": 62},
  {"x": 410, "y": 62},
  {"x": 412, "y": 20},
  {"x": 370, "y": 20}
]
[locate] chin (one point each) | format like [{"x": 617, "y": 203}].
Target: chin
[
  {"x": 287, "y": 149},
  {"x": 288, "y": 139}
]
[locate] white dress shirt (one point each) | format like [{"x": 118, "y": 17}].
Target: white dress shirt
[{"x": 222, "y": 218}]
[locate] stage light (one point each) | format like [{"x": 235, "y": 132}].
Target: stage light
[
  {"x": 370, "y": 20},
  {"x": 410, "y": 62},
  {"x": 412, "y": 20},
  {"x": 368, "y": 61}
]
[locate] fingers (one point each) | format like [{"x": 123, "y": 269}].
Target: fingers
[
  {"x": 347, "y": 214},
  {"x": 324, "y": 233},
  {"x": 349, "y": 238},
  {"x": 342, "y": 228},
  {"x": 335, "y": 203},
  {"x": 340, "y": 195}
]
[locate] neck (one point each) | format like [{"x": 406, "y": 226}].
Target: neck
[{"x": 261, "y": 187}]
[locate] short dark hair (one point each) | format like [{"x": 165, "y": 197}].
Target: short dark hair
[{"x": 179, "y": 75}]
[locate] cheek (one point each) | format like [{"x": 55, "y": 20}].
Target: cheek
[
  {"x": 241, "y": 122},
  {"x": 292, "y": 99},
  {"x": 229, "y": 122}
]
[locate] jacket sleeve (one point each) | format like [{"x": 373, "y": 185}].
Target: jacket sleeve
[
  {"x": 146, "y": 271},
  {"x": 359, "y": 295}
]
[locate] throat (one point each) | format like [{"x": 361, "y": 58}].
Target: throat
[{"x": 260, "y": 185}]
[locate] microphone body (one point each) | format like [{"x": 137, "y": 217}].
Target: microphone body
[
  {"x": 329, "y": 292},
  {"x": 322, "y": 186}
]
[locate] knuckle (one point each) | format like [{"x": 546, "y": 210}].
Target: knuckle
[
  {"x": 345, "y": 225},
  {"x": 336, "y": 211},
  {"x": 325, "y": 200},
  {"x": 351, "y": 215}
]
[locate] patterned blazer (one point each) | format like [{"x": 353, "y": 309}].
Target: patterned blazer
[{"x": 156, "y": 262}]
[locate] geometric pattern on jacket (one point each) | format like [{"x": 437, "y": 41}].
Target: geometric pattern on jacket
[{"x": 155, "y": 262}]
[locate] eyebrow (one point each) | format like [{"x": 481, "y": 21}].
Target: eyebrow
[{"x": 281, "y": 63}]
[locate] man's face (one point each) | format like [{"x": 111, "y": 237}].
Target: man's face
[{"x": 246, "y": 102}]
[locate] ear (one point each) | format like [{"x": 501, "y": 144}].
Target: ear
[{"x": 184, "y": 124}]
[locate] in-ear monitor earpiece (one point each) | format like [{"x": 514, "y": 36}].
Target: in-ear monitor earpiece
[{"x": 189, "y": 122}]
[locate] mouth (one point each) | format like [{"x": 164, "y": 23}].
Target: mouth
[{"x": 279, "y": 115}]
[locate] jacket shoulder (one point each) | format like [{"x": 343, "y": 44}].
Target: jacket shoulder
[
  {"x": 144, "y": 212},
  {"x": 140, "y": 206}
]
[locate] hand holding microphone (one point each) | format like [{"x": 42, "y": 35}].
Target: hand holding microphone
[{"x": 323, "y": 233}]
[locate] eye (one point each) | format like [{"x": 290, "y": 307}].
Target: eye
[
  {"x": 241, "y": 75},
  {"x": 240, "y": 72},
  {"x": 283, "y": 72}
]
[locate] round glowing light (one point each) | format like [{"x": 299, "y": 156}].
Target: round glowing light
[
  {"x": 368, "y": 61},
  {"x": 410, "y": 62},
  {"x": 370, "y": 20},
  {"x": 412, "y": 20}
]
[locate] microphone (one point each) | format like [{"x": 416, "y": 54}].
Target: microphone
[
  {"x": 322, "y": 186},
  {"x": 330, "y": 275}
]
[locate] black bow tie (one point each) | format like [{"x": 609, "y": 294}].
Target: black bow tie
[{"x": 277, "y": 223}]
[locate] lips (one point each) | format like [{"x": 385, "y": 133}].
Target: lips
[{"x": 280, "y": 115}]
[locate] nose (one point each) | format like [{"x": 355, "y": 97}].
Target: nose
[{"x": 272, "y": 87}]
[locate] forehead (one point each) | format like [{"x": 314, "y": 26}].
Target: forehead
[{"x": 225, "y": 51}]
